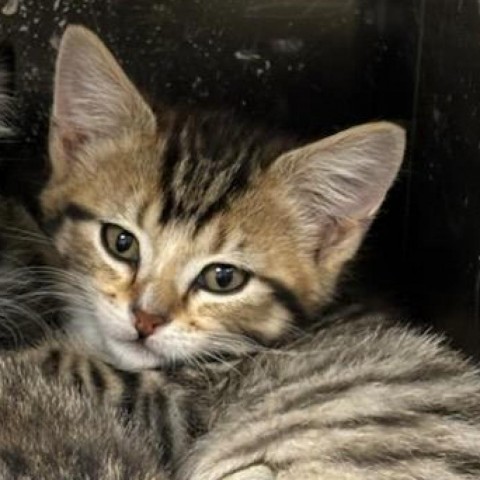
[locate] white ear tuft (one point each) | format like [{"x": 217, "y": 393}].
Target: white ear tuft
[
  {"x": 93, "y": 97},
  {"x": 346, "y": 175}
]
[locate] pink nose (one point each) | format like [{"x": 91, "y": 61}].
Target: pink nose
[{"x": 146, "y": 323}]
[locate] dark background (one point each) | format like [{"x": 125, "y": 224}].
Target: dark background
[{"x": 310, "y": 67}]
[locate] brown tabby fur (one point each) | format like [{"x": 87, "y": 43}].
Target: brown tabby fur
[{"x": 302, "y": 394}]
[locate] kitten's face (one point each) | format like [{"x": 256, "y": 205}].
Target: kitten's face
[
  {"x": 191, "y": 236},
  {"x": 212, "y": 277}
]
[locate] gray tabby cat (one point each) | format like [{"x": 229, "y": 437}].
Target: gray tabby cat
[{"x": 186, "y": 238}]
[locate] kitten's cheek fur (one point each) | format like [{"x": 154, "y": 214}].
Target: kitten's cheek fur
[
  {"x": 116, "y": 321},
  {"x": 107, "y": 320}
]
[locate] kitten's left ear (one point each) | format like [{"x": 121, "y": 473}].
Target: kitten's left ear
[
  {"x": 336, "y": 186},
  {"x": 345, "y": 176},
  {"x": 93, "y": 97}
]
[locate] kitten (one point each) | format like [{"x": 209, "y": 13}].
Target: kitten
[
  {"x": 183, "y": 230},
  {"x": 190, "y": 238}
]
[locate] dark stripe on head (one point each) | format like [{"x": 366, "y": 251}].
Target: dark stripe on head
[
  {"x": 239, "y": 182},
  {"x": 78, "y": 213},
  {"x": 189, "y": 163},
  {"x": 211, "y": 160},
  {"x": 73, "y": 212},
  {"x": 193, "y": 160},
  {"x": 171, "y": 157}
]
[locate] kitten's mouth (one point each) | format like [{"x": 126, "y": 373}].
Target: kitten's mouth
[
  {"x": 142, "y": 343},
  {"x": 133, "y": 354},
  {"x": 139, "y": 342}
]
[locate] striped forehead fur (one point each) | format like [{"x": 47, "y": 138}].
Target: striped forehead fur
[{"x": 209, "y": 159}]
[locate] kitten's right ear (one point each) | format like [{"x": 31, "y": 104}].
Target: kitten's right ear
[{"x": 93, "y": 97}]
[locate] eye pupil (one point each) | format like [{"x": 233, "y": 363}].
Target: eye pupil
[
  {"x": 124, "y": 242},
  {"x": 223, "y": 276},
  {"x": 120, "y": 243}
]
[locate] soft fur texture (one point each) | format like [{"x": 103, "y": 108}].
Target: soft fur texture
[
  {"x": 362, "y": 398},
  {"x": 50, "y": 431},
  {"x": 302, "y": 395}
]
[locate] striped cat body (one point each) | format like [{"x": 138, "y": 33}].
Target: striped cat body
[
  {"x": 170, "y": 406},
  {"x": 359, "y": 398}
]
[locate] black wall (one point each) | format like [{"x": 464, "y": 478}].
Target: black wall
[
  {"x": 444, "y": 223},
  {"x": 310, "y": 67}
]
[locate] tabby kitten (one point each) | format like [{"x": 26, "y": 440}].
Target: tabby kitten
[{"x": 190, "y": 237}]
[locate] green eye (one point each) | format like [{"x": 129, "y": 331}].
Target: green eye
[
  {"x": 222, "y": 278},
  {"x": 120, "y": 243}
]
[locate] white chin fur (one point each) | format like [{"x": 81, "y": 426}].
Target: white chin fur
[
  {"x": 166, "y": 346},
  {"x": 116, "y": 342},
  {"x": 131, "y": 355}
]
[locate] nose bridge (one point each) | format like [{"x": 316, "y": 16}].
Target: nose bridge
[
  {"x": 159, "y": 291},
  {"x": 163, "y": 296}
]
